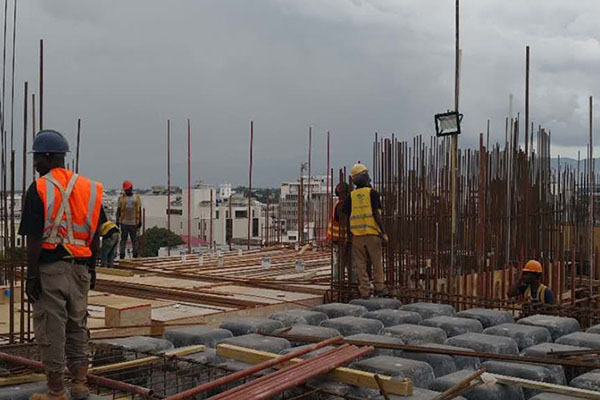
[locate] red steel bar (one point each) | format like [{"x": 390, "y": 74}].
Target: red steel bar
[
  {"x": 250, "y": 185},
  {"x": 189, "y": 182},
  {"x": 23, "y": 189},
  {"x": 252, "y": 370},
  {"x": 169, "y": 186},
  {"x": 99, "y": 380},
  {"x": 41, "y": 95},
  {"x": 265, "y": 381},
  {"x": 294, "y": 375},
  {"x": 78, "y": 141},
  {"x": 454, "y": 352}
]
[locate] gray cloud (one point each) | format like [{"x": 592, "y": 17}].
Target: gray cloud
[{"x": 351, "y": 67}]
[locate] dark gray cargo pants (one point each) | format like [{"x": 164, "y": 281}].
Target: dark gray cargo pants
[{"x": 60, "y": 315}]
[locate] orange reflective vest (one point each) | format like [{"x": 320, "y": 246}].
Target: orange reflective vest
[
  {"x": 334, "y": 230},
  {"x": 71, "y": 211}
]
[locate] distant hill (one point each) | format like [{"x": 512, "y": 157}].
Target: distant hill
[{"x": 564, "y": 161}]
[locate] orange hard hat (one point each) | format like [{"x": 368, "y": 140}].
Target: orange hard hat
[
  {"x": 533, "y": 266},
  {"x": 127, "y": 185}
]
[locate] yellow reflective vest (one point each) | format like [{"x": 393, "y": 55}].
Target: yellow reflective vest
[
  {"x": 362, "y": 221},
  {"x": 106, "y": 227},
  {"x": 138, "y": 208},
  {"x": 541, "y": 295}
]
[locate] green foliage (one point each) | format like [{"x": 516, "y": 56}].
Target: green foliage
[{"x": 155, "y": 238}]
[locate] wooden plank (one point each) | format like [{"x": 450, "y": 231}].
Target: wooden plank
[
  {"x": 127, "y": 315},
  {"x": 349, "y": 376},
  {"x": 546, "y": 387},
  {"x": 114, "y": 271},
  {"x": 303, "y": 249},
  {"x": 21, "y": 379}
]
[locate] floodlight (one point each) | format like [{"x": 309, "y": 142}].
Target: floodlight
[{"x": 448, "y": 123}]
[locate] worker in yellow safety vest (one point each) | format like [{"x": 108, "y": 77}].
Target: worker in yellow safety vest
[
  {"x": 109, "y": 231},
  {"x": 529, "y": 287},
  {"x": 129, "y": 218},
  {"x": 367, "y": 231}
]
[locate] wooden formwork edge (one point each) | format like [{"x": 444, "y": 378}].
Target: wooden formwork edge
[{"x": 349, "y": 376}]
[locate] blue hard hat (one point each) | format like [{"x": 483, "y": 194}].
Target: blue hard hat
[{"x": 49, "y": 141}]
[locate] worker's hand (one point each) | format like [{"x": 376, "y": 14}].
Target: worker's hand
[
  {"x": 139, "y": 225},
  {"x": 33, "y": 288},
  {"x": 92, "y": 272},
  {"x": 384, "y": 238}
]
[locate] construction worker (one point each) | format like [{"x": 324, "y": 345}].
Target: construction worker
[
  {"x": 60, "y": 217},
  {"x": 109, "y": 231},
  {"x": 336, "y": 231},
  {"x": 529, "y": 287},
  {"x": 367, "y": 231},
  {"x": 129, "y": 218}
]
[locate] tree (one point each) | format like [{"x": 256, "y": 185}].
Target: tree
[{"x": 155, "y": 238}]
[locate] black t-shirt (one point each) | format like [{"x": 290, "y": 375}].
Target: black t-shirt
[
  {"x": 375, "y": 203},
  {"x": 32, "y": 224}
]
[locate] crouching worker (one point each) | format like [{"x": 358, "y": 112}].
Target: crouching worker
[{"x": 110, "y": 239}]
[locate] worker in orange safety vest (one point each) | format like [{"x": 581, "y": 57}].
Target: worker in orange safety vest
[{"x": 61, "y": 218}]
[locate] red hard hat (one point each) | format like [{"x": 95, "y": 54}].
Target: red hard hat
[{"x": 127, "y": 185}]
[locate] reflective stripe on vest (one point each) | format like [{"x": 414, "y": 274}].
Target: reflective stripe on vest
[
  {"x": 541, "y": 294},
  {"x": 71, "y": 211},
  {"x": 334, "y": 230},
  {"x": 138, "y": 208},
  {"x": 362, "y": 221}
]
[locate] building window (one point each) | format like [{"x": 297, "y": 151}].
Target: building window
[
  {"x": 174, "y": 211},
  {"x": 217, "y": 214},
  {"x": 254, "y": 227},
  {"x": 241, "y": 214}
]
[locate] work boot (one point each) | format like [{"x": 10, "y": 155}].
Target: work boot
[
  {"x": 381, "y": 293},
  {"x": 56, "y": 388},
  {"x": 79, "y": 387}
]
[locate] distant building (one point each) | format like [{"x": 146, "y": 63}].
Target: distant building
[
  {"x": 225, "y": 191},
  {"x": 314, "y": 223}
]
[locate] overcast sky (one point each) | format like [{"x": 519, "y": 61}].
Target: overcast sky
[{"x": 352, "y": 67}]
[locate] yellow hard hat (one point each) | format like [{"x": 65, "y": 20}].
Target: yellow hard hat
[
  {"x": 533, "y": 266},
  {"x": 357, "y": 169},
  {"x": 107, "y": 226}
]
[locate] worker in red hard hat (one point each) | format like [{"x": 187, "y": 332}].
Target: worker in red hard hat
[
  {"x": 529, "y": 287},
  {"x": 129, "y": 218}
]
